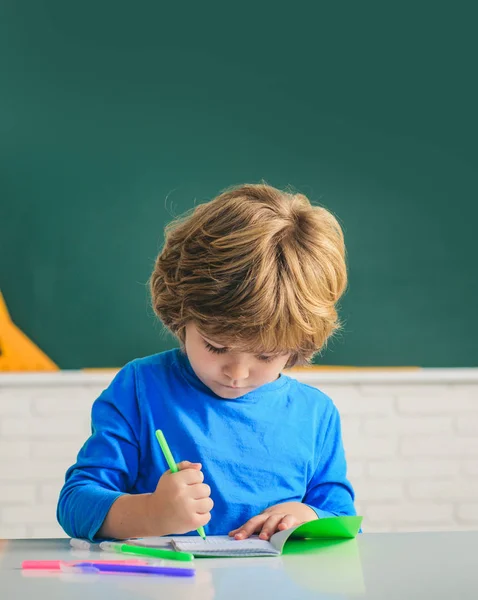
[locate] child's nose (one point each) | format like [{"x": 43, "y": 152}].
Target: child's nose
[{"x": 236, "y": 371}]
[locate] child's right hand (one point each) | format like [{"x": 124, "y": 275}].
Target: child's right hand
[{"x": 181, "y": 502}]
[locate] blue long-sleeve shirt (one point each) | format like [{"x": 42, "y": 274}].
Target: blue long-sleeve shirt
[{"x": 279, "y": 443}]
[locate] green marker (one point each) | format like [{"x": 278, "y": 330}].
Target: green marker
[
  {"x": 143, "y": 551},
  {"x": 172, "y": 465}
]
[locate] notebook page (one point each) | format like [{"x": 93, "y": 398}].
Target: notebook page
[{"x": 223, "y": 545}]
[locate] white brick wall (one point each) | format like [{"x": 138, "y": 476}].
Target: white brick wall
[{"x": 411, "y": 440}]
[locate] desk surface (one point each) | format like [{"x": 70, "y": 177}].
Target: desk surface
[{"x": 379, "y": 566}]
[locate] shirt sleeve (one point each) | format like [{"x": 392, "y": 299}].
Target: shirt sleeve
[
  {"x": 107, "y": 465},
  {"x": 329, "y": 493}
]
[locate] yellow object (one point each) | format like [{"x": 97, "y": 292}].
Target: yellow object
[
  {"x": 17, "y": 351},
  {"x": 100, "y": 370}
]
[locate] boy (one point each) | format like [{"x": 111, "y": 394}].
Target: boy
[{"x": 248, "y": 283}]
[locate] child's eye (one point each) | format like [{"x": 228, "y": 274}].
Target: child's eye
[
  {"x": 266, "y": 358},
  {"x": 215, "y": 350}
]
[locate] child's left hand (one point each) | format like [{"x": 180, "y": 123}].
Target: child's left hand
[{"x": 275, "y": 518}]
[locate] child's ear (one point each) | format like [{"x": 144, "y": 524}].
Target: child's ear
[
  {"x": 292, "y": 361},
  {"x": 296, "y": 360}
]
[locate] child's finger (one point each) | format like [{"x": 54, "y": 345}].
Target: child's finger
[
  {"x": 251, "y": 526},
  {"x": 270, "y": 526},
  {"x": 186, "y": 464},
  {"x": 234, "y": 531},
  {"x": 203, "y": 506},
  {"x": 287, "y": 522},
  {"x": 201, "y": 490},
  {"x": 191, "y": 476}
]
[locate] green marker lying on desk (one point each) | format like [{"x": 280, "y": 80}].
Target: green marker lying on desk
[
  {"x": 149, "y": 552},
  {"x": 172, "y": 465}
]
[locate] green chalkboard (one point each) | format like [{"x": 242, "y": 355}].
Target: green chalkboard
[{"x": 116, "y": 116}]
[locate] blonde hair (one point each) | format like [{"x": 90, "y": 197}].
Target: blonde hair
[{"x": 257, "y": 268}]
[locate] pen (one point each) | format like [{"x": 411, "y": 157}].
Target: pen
[
  {"x": 150, "y": 552},
  {"x": 80, "y": 544},
  {"x": 172, "y": 465},
  {"x": 151, "y": 570}
]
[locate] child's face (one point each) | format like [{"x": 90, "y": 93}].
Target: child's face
[{"x": 228, "y": 372}]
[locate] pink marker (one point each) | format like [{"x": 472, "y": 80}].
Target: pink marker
[{"x": 55, "y": 565}]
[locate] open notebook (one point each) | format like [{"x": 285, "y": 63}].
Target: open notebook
[{"x": 222, "y": 545}]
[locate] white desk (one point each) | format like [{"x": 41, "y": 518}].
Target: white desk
[{"x": 425, "y": 566}]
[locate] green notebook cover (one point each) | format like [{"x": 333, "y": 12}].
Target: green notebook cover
[{"x": 329, "y": 528}]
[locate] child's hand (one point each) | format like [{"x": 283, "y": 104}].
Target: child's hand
[
  {"x": 275, "y": 518},
  {"x": 181, "y": 501}
]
